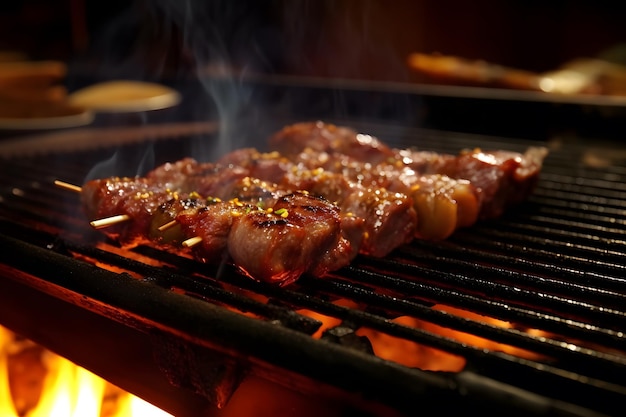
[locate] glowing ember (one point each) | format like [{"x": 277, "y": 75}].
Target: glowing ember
[
  {"x": 416, "y": 355},
  {"x": 63, "y": 389},
  {"x": 420, "y": 356}
]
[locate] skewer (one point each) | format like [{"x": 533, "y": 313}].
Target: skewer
[
  {"x": 100, "y": 223},
  {"x": 68, "y": 186},
  {"x": 192, "y": 241},
  {"x": 109, "y": 221},
  {"x": 167, "y": 225},
  {"x": 113, "y": 220}
]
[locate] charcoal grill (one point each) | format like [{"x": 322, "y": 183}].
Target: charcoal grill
[{"x": 185, "y": 335}]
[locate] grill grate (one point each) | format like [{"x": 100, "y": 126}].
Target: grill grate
[{"x": 552, "y": 269}]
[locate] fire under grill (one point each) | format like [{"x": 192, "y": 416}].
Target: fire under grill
[{"x": 530, "y": 305}]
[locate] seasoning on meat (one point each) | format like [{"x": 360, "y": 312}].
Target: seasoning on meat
[
  {"x": 324, "y": 196},
  {"x": 296, "y": 233},
  {"x": 500, "y": 179}
]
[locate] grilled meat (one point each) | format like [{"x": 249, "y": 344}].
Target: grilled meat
[
  {"x": 136, "y": 197},
  {"x": 501, "y": 179},
  {"x": 325, "y": 137},
  {"x": 504, "y": 179},
  {"x": 289, "y": 242},
  {"x": 443, "y": 203},
  {"x": 353, "y": 229},
  {"x": 276, "y": 241},
  {"x": 234, "y": 176},
  {"x": 389, "y": 219},
  {"x": 329, "y": 194},
  {"x": 381, "y": 194}
]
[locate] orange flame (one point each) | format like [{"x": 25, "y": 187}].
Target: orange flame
[{"x": 67, "y": 390}]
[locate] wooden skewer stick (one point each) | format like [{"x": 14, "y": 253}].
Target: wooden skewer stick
[
  {"x": 100, "y": 223},
  {"x": 192, "y": 241},
  {"x": 68, "y": 186},
  {"x": 167, "y": 225},
  {"x": 109, "y": 221}
]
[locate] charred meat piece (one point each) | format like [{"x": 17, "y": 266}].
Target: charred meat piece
[
  {"x": 173, "y": 175},
  {"x": 211, "y": 222},
  {"x": 282, "y": 244},
  {"x": 266, "y": 194}
]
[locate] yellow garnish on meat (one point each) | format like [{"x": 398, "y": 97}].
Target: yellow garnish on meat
[{"x": 282, "y": 212}]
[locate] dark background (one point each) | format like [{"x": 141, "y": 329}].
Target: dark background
[
  {"x": 190, "y": 44},
  {"x": 368, "y": 39}
]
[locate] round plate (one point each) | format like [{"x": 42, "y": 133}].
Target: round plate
[{"x": 125, "y": 96}]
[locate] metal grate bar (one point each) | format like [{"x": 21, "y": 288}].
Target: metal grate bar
[{"x": 556, "y": 264}]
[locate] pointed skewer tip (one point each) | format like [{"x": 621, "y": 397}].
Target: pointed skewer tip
[
  {"x": 167, "y": 225},
  {"x": 67, "y": 186},
  {"x": 192, "y": 241},
  {"x": 109, "y": 221}
]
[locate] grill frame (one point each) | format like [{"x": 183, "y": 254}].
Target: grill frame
[{"x": 486, "y": 385}]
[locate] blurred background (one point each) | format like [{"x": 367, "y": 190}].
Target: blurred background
[
  {"x": 575, "y": 47},
  {"x": 368, "y": 39}
]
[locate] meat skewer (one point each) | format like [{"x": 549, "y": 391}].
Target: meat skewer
[
  {"x": 297, "y": 233},
  {"x": 442, "y": 204},
  {"x": 329, "y": 194},
  {"x": 99, "y": 223},
  {"x": 374, "y": 220},
  {"x": 501, "y": 178},
  {"x": 389, "y": 219}
]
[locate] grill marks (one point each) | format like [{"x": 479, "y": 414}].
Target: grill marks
[{"x": 293, "y": 243}]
